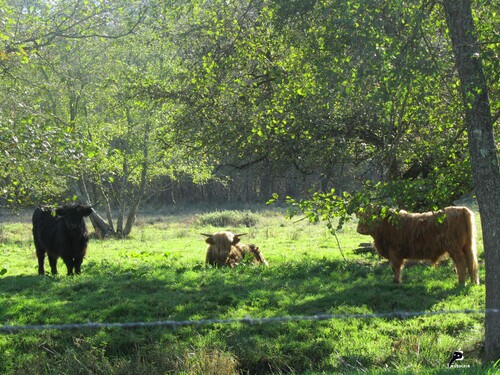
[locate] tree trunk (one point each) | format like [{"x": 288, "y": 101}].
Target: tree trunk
[
  {"x": 109, "y": 214},
  {"x": 119, "y": 221},
  {"x": 130, "y": 219},
  {"x": 101, "y": 228},
  {"x": 142, "y": 185},
  {"x": 484, "y": 159}
]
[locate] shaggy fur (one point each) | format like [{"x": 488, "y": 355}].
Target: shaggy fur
[
  {"x": 225, "y": 250},
  {"x": 240, "y": 251},
  {"x": 61, "y": 233},
  {"x": 425, "y": 236}
]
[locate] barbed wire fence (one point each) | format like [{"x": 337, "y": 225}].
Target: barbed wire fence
[{"x": 173, "y": 324}]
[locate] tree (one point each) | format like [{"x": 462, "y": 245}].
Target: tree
[
  {"x": 80, "y": 117},
  {"x": 479, "y": 121},
  {"x": 323, "y": 87},
  {"x": 41, "y": 146},
  {"x": 124, "y": 119},
  {"x": 484, "y": 158}
]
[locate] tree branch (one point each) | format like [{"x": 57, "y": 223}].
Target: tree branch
[{"x": 64, "y": 33}]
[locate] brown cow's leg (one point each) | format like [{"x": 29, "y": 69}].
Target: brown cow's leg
[
  {"x": 460, "y": 266},
  {"x": 471, "y": 260},
  {"x": 397, "y": 266},
  {"x": 474, "y": 276}
]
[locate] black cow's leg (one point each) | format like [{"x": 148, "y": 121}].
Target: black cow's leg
[
  {"x": 78, "y": 265},
  {"x": 40, "y": 254},
  {"x": 70, "y": 264},
  {"x": 53, "y": 264}
]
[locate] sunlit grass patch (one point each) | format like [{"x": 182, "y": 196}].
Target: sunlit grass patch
[{"x": 158, "y": 274}]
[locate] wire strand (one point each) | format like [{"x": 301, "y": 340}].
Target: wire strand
[{"x": 11, "y": 329}]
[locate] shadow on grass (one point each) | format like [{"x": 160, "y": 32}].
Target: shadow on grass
[
  {"x": 108, "y": 292},
  {"x": 148, "y": 292}
]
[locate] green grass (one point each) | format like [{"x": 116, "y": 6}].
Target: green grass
[{"x": 159, "y": 274}]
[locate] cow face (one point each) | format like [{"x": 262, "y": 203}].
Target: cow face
[
  {"x": 369, "y": 219},
  {"x": 226, "y": 237},
  {"x": 364, "y": 227},
  {"x": 372, "y": 218},
  {"x": 73, "y": 214}
]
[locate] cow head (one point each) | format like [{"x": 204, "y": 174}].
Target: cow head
[
  {"x": 371, "y": 217},
  {"x": 227, "y": 237},
  {"x": 73, "y": 214}
]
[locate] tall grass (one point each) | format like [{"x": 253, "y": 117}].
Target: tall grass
[
  {"x": 227, "y": 218},
  {"x": 159, "y": 274}
]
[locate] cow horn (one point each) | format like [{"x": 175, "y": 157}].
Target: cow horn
[
  {"x": 239, "y": 235},
  {"x": 207, "y": 235}
]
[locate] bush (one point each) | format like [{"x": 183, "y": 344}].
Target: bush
[{"x": 228, "y": 219}]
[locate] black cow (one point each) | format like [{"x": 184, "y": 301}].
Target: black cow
[{"x": 61, "y": 233}]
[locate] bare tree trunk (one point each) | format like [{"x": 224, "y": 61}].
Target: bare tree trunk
[
  {"x": 142, "y": 185},
  {"x": 122, "y": 202},
  {"x": 484, "y": 158},
  {"x": 109, "y": 214},
  {"x": 119, "y": 221},
  {"x": 101, "y": 228},
  {"x": 130, "y": 219}
]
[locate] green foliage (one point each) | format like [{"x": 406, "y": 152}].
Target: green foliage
[
  {"x": 330, "y": 208},
  {"x": 418, "y": 195},
  {"x": 338, "y": 91}
]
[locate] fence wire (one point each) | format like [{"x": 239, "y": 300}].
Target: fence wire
[{"x": 11, "y": 329}]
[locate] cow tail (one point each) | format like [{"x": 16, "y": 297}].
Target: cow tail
[{"x": 470, "y": 246}]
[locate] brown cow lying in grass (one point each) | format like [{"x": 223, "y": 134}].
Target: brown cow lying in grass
[
  {"x": 425, "y": 236},
  {"x": 225, "y": 249}
]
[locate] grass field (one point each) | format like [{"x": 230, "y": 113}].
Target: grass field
[{"x": 159, "y": 274}]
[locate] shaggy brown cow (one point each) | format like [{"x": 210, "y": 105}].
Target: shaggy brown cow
[
  {"x": 224, "y": 249},
  {"x": 429, "y": 236}
]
